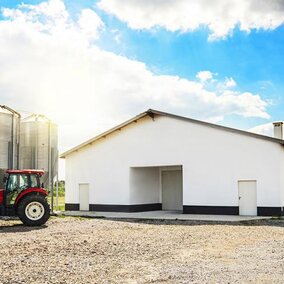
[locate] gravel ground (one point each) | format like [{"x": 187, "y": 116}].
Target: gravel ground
[{"x": 76, "y": 250}]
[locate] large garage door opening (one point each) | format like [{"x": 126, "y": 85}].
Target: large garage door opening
[
  {"x": 171, "y": 186},
  {"x": 157, "y": 188}
]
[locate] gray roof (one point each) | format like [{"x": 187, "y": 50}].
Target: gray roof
[{"x": 152, "y": 113}]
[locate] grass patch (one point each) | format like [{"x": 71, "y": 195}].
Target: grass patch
[{"x": 61, "y": 203}]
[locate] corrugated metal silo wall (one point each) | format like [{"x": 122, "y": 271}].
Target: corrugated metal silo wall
[
  {"x": 9, "y": 143},
  {"x": 34, "y": 147}
]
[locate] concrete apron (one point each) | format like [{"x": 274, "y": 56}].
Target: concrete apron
[{"x": 161, "y": 215}]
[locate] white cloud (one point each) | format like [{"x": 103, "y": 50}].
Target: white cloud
[
  {"x": 264, "y": 129},
  {"x": 90, "y": 23},
  {"x": 220, "y": 16},
  {"x": 49, "y": 65},
  {"x": 230, "y": 83},
  {"x": 204, "y": 76},
  {"x": 45, "y": 16}
]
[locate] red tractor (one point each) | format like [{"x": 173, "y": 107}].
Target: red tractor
[{"x": 25, "y": 197}]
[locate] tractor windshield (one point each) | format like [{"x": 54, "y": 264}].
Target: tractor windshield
[
  {"x": 35, "y": 181},
  {"x": 16, "y": 183}
]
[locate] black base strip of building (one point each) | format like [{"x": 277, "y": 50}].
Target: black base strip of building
[
  {"x": 211, "y": 210},
  {"x": 187, "y": 209},
  {"x": 116, "y": 207},
  {"x": 270, "y": 211},
  {"x": 72, "y": 207},
  {"x": 230, "y": 210},
  {"x": 125, "y": 208}
]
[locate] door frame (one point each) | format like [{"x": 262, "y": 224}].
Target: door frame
[
  {"x": 247, "y": 180},
  {"x": 168, "y": 169},
  {"x": 84, "y": 183}
]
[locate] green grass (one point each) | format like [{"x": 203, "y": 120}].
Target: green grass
[{"x": 61, "y": 203}]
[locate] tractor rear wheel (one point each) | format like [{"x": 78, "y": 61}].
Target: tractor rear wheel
[{"x": 33, "y": 210}]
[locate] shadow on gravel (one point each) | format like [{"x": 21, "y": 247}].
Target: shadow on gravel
[
  {"x": 17, "y": 228},
  {"x": 268, "y": 222}
]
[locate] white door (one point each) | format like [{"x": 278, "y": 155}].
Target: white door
[
  {"x": 247, "y": 198},
  {"x": 172, "y": 190},
  {"x": 84, "y": 196}
]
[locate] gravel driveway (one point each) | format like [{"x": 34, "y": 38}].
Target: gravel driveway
[{"x": 76, "y": 250}]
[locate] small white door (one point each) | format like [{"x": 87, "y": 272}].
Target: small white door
[
  {"x": 172, "y": 190},
  {"x": 84, "y": 196},
  {"x": 247, "y": 198}
]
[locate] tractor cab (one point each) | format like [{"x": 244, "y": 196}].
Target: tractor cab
[{"x": 23, "y": 195}]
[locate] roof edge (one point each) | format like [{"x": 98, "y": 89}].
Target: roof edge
[
  {"x": 153, "y": 112},
  {"x": 97, "y": 137},
  {"x": 217, "y": 126}
]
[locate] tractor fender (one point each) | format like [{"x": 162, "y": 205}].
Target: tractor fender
[{"x": 37, "y": 191}]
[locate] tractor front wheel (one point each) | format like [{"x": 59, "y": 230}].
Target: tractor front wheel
[{"x": 33, "y": 210}]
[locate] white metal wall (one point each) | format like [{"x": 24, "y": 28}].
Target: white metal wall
[
  {"x": 213, "y": 161},
  {"x": 145, "y": 185}
]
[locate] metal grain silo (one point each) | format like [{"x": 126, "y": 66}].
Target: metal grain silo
[
  {"x": 9, "y": 140},
  {"x": 39, "y": 146}
]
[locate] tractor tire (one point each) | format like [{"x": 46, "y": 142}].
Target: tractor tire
[{"x": 33, "y": 210}]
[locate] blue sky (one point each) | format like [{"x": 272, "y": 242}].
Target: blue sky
[
  {"x": 118, "y": 58},
  {"x": 255, "y": 59}
]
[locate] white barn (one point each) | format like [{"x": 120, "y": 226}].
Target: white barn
[{"x": 160, "y": 161}]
